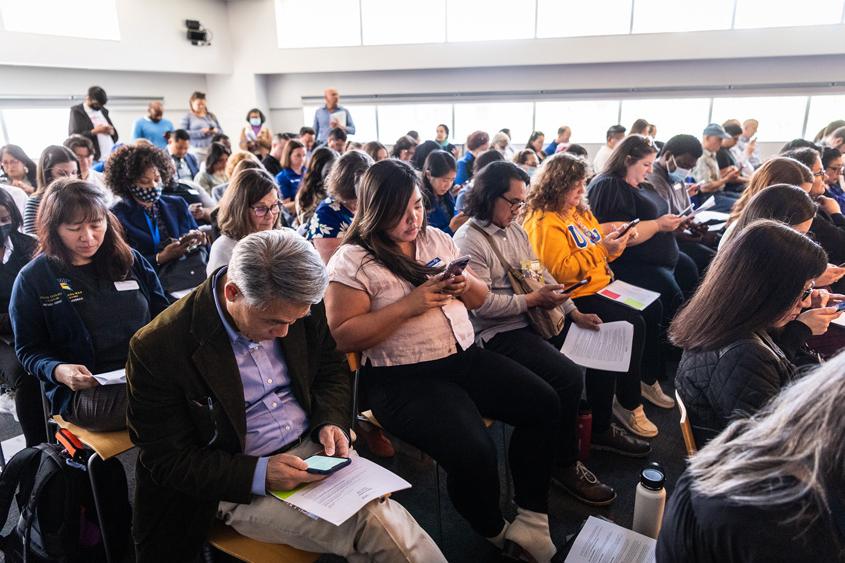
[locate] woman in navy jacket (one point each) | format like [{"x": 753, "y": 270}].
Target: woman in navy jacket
[
  {"x": 75, "y": 307},
  {"x": 158, "y": 226}
]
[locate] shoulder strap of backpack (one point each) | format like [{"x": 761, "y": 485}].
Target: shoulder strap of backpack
[{"x": 21, "y": 464}]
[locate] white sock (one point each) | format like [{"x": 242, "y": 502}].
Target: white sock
[{"x": 530, "y": 530}]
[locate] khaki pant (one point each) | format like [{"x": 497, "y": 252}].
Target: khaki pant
[{"x": 381, "y": 531}]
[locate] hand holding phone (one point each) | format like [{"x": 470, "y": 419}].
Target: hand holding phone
[
  {"x": 326, "y": 464},
  {"x": 627, "y": 227},
  {"x": 687, "y": 211},
  {"x": 455, "y": 267},
  {"x": 576, "y": 285}
]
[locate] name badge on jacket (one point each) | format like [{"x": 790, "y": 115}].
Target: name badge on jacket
[{"x": 126, "y": 285}]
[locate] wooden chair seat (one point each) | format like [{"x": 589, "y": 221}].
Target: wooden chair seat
[
  {"x": 105, "y": 444},
  {"x": 232, "y": 543},
  {"x": 686, "y": 427}
]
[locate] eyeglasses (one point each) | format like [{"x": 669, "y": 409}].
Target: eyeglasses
[
  {"x": 515, "y": 204},
  {"x": 819, "y": 174},
  {"x": 262, "y": 210}
]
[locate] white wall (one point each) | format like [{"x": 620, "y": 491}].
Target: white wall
[{"x": 152, "y": 38}]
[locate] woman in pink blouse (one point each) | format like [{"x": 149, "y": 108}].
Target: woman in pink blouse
[{"x": 423, "y": 378}]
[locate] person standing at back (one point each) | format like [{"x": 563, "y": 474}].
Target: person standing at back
[
  {"x": 201, "y": 124},
  {"x": 91, "y": 119},
  {"x": 332, "y": 116},
  {"x": 153, "y": 126}
]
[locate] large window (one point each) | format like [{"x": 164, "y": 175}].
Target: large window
[
  {"x": 318, "y": 23},
  {"x": 588, "y": 120},
  {"x": 823, "y": 110},
  {"x": 786, "y": 13},
  {"x": 35, "y": 128},
  {"x": 363, "y": 115},
  {"x": 493, "y": 116},
  {"x": 90, "y": 19},
  {"x": 781, "y": 118},
  {"x": 573, "y": 19},
  {"x": 388, "y": 22},
  {"x": 396, "y": 120},
  {"x": 678, "y": 116},
  {"x": 340, "y": 23},
  {"x": 661, "y": 16}
]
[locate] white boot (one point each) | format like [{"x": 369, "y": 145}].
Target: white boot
[{"x": 530, "y": 530}]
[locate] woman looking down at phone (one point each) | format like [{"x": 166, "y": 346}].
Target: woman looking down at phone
[
  {"x": 502, "y": 324},
  {"x": 653, "y": 260},
  {"x": 422, "y": 376},
  {"x": 573, "y": 246},
  {"x": 735, "y": 353},
  {"x": 158, "y": 226},
  {"x": 77, "y": 304}
]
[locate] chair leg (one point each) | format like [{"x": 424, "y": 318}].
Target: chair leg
[
  {"x": 97, "y": 506},
  {"x": 437, "y": 501}
]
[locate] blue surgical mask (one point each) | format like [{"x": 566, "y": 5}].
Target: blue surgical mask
[
  {"x": 255, "y": 121},
  {"x": 679, "y": 174}
]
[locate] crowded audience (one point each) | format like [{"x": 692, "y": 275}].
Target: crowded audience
[{"x": 456, "y": 270}]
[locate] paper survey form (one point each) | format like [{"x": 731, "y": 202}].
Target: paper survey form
[
  {"x": 342, "y": 494},
  {"x": 111, "y": 377},
  {"x": 630, "y": 295},
  {"x": 608, "y": 348},
  {"x": 600, "y": 541}
]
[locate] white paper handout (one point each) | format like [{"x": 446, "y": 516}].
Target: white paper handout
[
  {"x": 179, "y": 294},
  {"x": 630, "y": 295},
  {"x": 111, "y": 377},
  {"x": 340, "y": 116},
  {"x": 342, "y": 494},
  {"x": 708, "y": 203},
  {"x": 608, "y": 348},
  {"x": 600, "y": 541},
  {"x": 706, "y": 216}
]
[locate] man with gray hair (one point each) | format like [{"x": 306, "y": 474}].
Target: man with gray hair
[{"x": 229, "y": 390}]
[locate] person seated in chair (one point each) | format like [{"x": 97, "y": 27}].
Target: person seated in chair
[
  {"x": 77, "y": 304},
  {"x": 229, "y": 391},
  {"x": 424, "y": 379}
]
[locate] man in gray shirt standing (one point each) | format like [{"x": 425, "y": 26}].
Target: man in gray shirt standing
[{"x": 331, "y": 116}]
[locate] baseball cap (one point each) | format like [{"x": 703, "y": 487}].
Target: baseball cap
[{"x": 715, "y": 130}]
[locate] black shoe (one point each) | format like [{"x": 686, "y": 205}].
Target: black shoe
[
  {"x": 582, "y": 484},
  {"x": 617, "y": 440}
]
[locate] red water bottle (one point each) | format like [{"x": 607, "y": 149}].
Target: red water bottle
[{"x": 585, "y": 432}]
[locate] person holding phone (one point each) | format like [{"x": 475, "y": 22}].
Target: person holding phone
[
  {"x": 502, "y": 325},
  {"x": 653, "y": 260},
  {"x": 573, "y": 246},
  {"x": 158, "y": 226},
  {"x": 232, "y": 392},
  {"x": 77, "y": 304},
  {"x": 739, "y": 353},
  {"x": 201, "y": 124},
  {"x": 422, "y": 376}
]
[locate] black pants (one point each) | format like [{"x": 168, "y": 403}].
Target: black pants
[
  {"x": 100, "y": 409},
  {"x": 437, "y": 406},
  {"x": 700, "y": 254},
  {"x": 545, "y": 360},
  {"x": 27, "y": 396},
  {"x": 646, "y": 361}
]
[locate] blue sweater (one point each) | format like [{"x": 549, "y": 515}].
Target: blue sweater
[
  {"x": 131, "y": 215},
  {"x": 146, "y": 128},
  {"x": 288, "y": 182},
  {"x": 464, "y": 171},
  {"x": 48, "y": 329}
]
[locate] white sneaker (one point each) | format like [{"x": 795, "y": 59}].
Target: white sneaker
[
  {"x": 654, "y": 394},
  {"x": 530, "y": 531},
  {"x": 635, "y": 421},
  {"x": 7, "y": 404}
]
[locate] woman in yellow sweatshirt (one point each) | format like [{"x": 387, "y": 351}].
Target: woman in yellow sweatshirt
[{"x": 573, "y": 246}]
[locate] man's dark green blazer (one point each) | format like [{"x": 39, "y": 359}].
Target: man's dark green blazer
[{"x": 187, "y": 416}]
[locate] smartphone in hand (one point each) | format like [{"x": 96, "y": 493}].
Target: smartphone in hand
[
  {"x": 627, "y": 227},
  {"x": 576, "y": 285},
  {"x": 326, "y": 464},
  {"x": 455, "y": 267}
]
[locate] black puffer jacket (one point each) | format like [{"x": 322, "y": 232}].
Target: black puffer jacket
[{"x": 718, "y": 386}]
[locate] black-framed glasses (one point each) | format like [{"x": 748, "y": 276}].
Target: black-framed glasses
[
  {"x": 262, "y": 210},
  {"x": 515, "y": 204},
  {"x": 807, "y": 292},
  {"x": 819, "y": 174}
]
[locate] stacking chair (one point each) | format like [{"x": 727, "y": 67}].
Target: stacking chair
[{"x": 686, "y": 427}]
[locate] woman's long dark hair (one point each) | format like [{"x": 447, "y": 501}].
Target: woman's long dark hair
[
  {"x": 69, "y": 200},
  {"x": 630, "y": 150},
  {"x": 438, "y": 163},
  {"x": 313, "y": 185},
  {"x": 750, "y": 285},
  {"x": 19, "y": 154},
  {"x": 383, "y": 196},
  {"x": 783, "y": 203},
  {"x": 215, "y": 151},
  {"x": 51, "y": 156},
  {"x": 8, "y": 202}
]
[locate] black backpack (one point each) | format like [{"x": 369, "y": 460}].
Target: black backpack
[{"x": 58, "y": 520}]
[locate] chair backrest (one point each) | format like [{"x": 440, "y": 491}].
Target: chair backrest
[{"x": 686, "y": 427}]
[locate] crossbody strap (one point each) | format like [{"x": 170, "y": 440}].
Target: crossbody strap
[{"x": 508, "y": 268}]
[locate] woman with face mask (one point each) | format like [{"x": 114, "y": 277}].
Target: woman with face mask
[
  {"x": 75, "y": 306},
  {"x": 255, "y": 136},
  {"x": 158, "y": 226}
]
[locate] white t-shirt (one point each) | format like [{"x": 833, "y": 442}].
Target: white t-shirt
[
  {"x": 105, "y": 141},
  {"x": 601, "y": 159}
]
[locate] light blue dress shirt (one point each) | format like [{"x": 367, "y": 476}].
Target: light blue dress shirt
[
  {"x": 322, "y": 120},
  {"x": 274, "y": 417}
]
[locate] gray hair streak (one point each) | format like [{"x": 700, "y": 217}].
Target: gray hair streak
[{"x": 277, "y": 264}]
